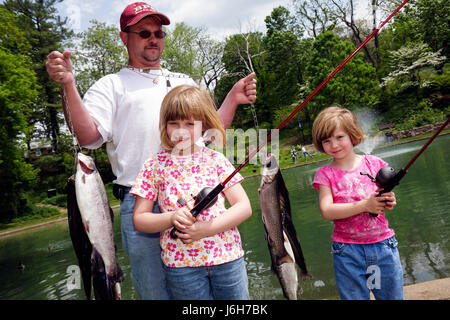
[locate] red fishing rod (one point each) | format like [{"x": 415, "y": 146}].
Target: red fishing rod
[
  {"x": 210, "y": 195},
  {"x": 387, "y": 178}
]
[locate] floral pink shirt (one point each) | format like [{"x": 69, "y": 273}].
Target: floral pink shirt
[
  {"x": 167, "y": 178},
  {"x": 351, "y": 186}
]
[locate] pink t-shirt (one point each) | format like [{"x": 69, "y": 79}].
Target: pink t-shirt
[
  {"x": 167, "y": 178},
  {"x": 351, "y": 186}
]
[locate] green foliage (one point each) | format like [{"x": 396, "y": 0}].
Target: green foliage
[
  {"x": 18, "y": 90},
  {"x": 90, "y": 62},
  {"x": 59, "y": 200},
  {"x": 421, "y": 115},
  {"x": 354, "y": 85}
]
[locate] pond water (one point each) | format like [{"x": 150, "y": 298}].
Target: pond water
[{"x": 420, "y": 220}]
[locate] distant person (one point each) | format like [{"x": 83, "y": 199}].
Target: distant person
[
  {"x": 122, "y": 110},
  {"x": 305, "y": 153},
  {"x": 365, "y": 254},
  {"x": 206, "y": 260},
  {"x": 293, "y": 154}
]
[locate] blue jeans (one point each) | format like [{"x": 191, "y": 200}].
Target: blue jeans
[
  {"x": 227, "y": 281},
  {"x": 305, "y": 154},
  {"x": 359, "y": 268},
  {"x": 144, "y": 252}
]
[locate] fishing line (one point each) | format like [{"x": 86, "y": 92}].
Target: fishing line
[{"x": 76, "y": 147}]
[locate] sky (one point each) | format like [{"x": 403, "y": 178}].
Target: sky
[{"x": 221, "y": 18}]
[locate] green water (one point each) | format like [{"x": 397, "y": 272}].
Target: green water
[{"x": 420, "y": 220}]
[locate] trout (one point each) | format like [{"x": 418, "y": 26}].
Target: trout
[
  {"x": 91, "y": 229},
  {"x": 281, "y": 237}
]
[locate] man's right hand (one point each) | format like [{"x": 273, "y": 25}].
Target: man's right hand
[{"x": 59, "y": 67}]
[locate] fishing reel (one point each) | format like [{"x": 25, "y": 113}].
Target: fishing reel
[
  {"x": 206, "y": 195},
  {"x": 387, "y": 179}
]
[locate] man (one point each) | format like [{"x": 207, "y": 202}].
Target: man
[{"x": 122, "y": 110}]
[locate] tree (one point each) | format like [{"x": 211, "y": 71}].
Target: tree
[
  {"x": 91, "y": 61},
  {"x": 407, "y": 64},
  {"x": 18, "y": 91},
  {"x": 181, "y": 51},
  {"x": 285, "y": 57},
  {"x": 355, "y": 84},
  {"x": 45, "y": 31},
  {"x": 314, "y": 16}
]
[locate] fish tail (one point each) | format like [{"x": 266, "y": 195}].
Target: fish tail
[{"x": 106, "y": 287}]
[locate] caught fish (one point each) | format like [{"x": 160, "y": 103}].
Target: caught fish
[
  {"x": 91, "y": 229},
  {"x": 281, "y": 237}
]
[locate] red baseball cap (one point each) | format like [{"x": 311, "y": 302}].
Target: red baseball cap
[{"x": 134, "y": 12}]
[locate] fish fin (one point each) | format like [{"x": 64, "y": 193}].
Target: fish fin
[
  {"x": 80, "y": 241},
  {"x": 111, "y": 212},
  {"x": 291, "y": 234},
  {"x": 285, "y": 205},
  {"x": 106, "y": 286}
]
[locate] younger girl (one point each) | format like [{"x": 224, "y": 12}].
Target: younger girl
[
  {"x": 365, "y": 254},
  {"x": 206, "y": 260}
]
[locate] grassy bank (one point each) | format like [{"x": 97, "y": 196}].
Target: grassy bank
[{"x": 285, "y": 161}]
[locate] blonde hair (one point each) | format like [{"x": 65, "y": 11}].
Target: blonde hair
[
  {"x": 188, "y": 102},
  {"x": 329, "y": 120}
]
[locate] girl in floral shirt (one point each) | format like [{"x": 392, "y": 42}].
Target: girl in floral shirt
[
  {"x": 365, "y": 254},
  {"x": 205, "y": 261}
]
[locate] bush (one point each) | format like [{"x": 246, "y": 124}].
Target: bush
[
  {"x": 422, "y": 115},
  {"x": 59, "y": 200},
  {"x": 29, "y": 211}
]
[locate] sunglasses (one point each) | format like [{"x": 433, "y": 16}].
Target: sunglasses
[{"x": 144, "y": 34}]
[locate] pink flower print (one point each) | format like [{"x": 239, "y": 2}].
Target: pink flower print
[
  {"x": 181, "y": 161},
  {"x": 220, "y": 170},
  {"x": 205, "y": 212},
  {"x": 167, "y": 202},
  {"x": 199, "y": 181},
  {"x": 209, "y": 244},
  {"x": 195, "y": 169},
  {"x": 210, "y": 182},
  {"x": 209, "y": 263},
  {"x": 210, "y": 171},
  {"x": 237, "y": 239},
  {"x": 171, "y": 265},
  {"x": 185, "y": 186},
  {"x": 168, "y": 163},
  {"x": 193, "y": 253},
  {"x": 162, "y": 158},
  {"x": 160, "y": 172},
  {"x": 217, "y": 252},
  {"x": 175, "y": 173},
  {"x": 171, "y": 247},
  {"x": 145, "y": 185},
  {"x": 173, "y": 191},
  {"x": 179, "y": 256},
  {"x": 228, "y": 246}
]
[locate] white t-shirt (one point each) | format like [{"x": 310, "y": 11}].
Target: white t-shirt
[{"x": 125, "y": 106}]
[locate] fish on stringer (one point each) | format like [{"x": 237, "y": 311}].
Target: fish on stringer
[
  {"x": 284, "y": 246},
  {"x": 91, "y": 229}
]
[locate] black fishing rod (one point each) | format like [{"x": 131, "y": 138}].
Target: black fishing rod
[
  {"x": 210, "y": 195},
  {"x": 387, "y": 178}
]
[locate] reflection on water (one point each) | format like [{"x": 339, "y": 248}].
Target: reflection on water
[{"x": 420, "y": 220}]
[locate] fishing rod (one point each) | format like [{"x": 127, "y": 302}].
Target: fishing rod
[
  {"x": 209, "y": 198},
  {"x": 387, "y": 178}
]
